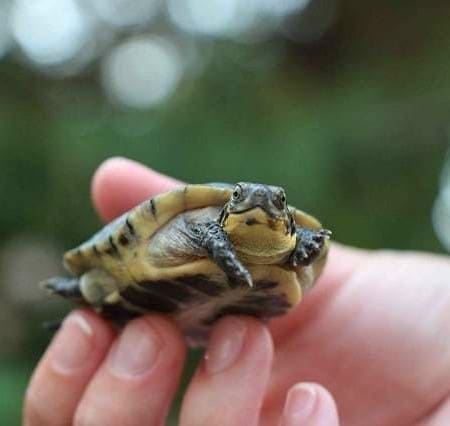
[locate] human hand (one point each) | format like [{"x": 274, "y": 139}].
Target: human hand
[{"x": 374, "y": 332}]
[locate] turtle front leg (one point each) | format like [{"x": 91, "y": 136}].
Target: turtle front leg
[
  {"x": 214, "y": 240},
  {"x": 308, "y": 246}
]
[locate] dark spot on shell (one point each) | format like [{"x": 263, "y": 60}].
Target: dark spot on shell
[
  {"x": 265, "y": 284},
  {"x": 259, "y": 304},
  {"x": 167, "y": 295},
  {"x": 243, "y": 310},
  {"x": 203, "y": 284},
  {"x": 112, "y": 249},
  {"x": 267, "y": 301},
  {"x": 171, "y": 289},
  {"x": 130, "y": 226},
  {"x": 152, "y": 207},
  {"x": 123, "y": 240},
  {"x": 150, "y": 301}
]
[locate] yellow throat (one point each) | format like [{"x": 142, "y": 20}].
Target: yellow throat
[{"x": 259, "y": 238}]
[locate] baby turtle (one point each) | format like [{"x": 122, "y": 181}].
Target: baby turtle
[{"x": 198, "y": 253}]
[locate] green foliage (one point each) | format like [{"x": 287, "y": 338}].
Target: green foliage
[{"x": 14, "y": 377}]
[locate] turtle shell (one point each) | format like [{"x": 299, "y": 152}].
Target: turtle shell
[{"x": 194, "y": 290}]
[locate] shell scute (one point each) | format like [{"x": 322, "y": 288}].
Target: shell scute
[{"x": 116, "y": 241}]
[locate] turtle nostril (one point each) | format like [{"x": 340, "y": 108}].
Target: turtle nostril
[{"x": 259, "y": 198}]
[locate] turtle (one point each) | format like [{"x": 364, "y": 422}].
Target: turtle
[{"x": 197, "y": 253}]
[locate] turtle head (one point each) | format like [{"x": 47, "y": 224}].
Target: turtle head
[{"x": 256, "y": 204}]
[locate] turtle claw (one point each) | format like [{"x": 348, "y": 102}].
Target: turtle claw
[
  {"x": 309, "y": 245},
  {"x": 239, "y": 275},
  {"x": 325, "y": 233},
  {"x": 248, "y": 279},
  {"x": 299, "y": 257}
]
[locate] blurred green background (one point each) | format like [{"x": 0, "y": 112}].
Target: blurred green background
[{"x": 344, "y": 103}]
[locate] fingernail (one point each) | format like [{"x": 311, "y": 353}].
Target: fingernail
[
  {"x": 225, "y": 345},
  {"x": 73, "y": 344},
  {"x": 136, "y": 351},
  {"x": 300, "y": 403}
]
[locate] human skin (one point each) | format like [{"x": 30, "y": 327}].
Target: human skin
[{"x": 372, "y": 339}]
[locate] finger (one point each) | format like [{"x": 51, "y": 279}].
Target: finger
[
  {"x": 138, "y": 378},
  {"x": 65, "y": 369},
  {"x": 119, "y": 184},
  {"x": 229, "y": 385},
  {"x": 309, "y": 404},
  {"x": 341, "y": 263}
]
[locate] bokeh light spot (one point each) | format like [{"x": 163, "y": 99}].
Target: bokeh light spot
[
  {"x": 441, "y": 208},
  {"x": 214, "y": 17},
  {"x": 122, "y": 13},
  {"x": 142, "y": 72},
  {"x": 49, "y": 31},
  {"x": 441, "y": 217},
  {"x": 284, "y": 7},
  {"x": 310, "y": 23}
]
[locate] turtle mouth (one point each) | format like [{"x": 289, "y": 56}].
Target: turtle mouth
[
  {"x": 274, "y": 215},
  {"x": 255, "y": 218}
]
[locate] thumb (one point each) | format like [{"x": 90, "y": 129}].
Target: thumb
[{"x": 309, "y": 404}]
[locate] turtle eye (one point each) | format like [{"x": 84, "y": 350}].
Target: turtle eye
[
  {"x": 237, "y": 193},
  {"x": 280, "y": 200}
]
